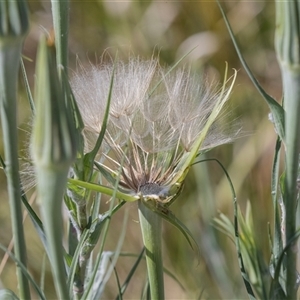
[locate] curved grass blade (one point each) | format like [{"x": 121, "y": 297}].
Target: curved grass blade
[
  {"x": 275, "y": 108},
  {"x": 37, "y": 223},
  {"x": 167, "y": 214},
  {"x": 236, "y": 232},
  {"x": 34, "y": 217},
  {"x": 130, "y": 274},
  {"x": 120, "y": 297},
  {"x": 25, "y": 272}
]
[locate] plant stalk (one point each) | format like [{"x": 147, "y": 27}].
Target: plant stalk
[
  {"x": 9, "y": 67},
  {"x": 60, "y": 12},
  {"x": 287, "y": 44},
  {"x": 52, "y": 219},
  {"x": 291, "y": 83},
  {"x": 151, "y": 226}
]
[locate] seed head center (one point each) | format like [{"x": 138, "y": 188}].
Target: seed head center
[{"x": 151, "y": 188}]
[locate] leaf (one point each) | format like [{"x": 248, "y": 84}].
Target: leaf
[
  {"x": 27, "y": 87},
  {"x": 25, "y": 272},
  {"x": 72, "y": 183},
  {"x": 130, "y": 274},
  {"x": 276, "y": 286},
  {"x": 164, "y": 212},
  {"x": 90, "y": 156},
  {"x": 275, "y": 108},
  {"x": 236, "y": 233},
  {"x": 277, "y": 242}
]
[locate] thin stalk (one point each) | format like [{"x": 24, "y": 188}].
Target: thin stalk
[
  {"x": 9, "y": 67},
  {"x": 151, "y": 226},
  {"x": 60, "y": 12}
]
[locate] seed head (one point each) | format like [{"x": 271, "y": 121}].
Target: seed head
[{"x": 155, "y": 120}]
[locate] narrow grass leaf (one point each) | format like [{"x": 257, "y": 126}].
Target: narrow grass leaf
[
  {"x": 277, "y": 242},
  {"x": 90, "y": 156},
  {"x": 236, "y": 233},
  {"x": 167, "y": 215},
  {"x": 27, "y": 88},
  {"x": 120, "y": 297},
  {"x": 130, "y": 275},
  {"x": 275, "y": 108},
  {"x": 25, "y": 272}
]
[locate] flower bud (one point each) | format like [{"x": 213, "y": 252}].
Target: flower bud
[{"x": 54, "y": 133}]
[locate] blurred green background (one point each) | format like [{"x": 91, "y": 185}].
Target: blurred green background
[{"x": 170, "y": 29}]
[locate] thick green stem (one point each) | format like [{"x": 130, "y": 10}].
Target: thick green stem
[
  {"x": 151, "y": 225},
  {"x": 9, "y": 67},
  {"x": 51, "y": 185},
  {"x": 291, "y": 82},
  {"x": 287, "y": 44}
]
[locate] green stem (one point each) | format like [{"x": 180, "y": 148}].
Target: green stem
[
  {"x": 151, "y": 226},
  {"x": 287, "y": 47},
  {"x": 9, "y": 67},
  {"x": 60, "y": 11},
  {"x": 51, "y": 187},
  {"x": 291, "y": 83}
]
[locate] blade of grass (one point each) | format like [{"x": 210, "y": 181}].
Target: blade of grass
[
  {"x": 13, "y": 28},
  {"x": 236, "y": 233},
  {"x": 275, "y": 107},
  {"x": 24, "y": 270},
  {"x": 129, "y": 276},
  {"x": 27, "y": 87}
]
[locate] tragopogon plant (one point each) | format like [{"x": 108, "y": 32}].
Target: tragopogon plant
[{"x": 159, "y": 121}]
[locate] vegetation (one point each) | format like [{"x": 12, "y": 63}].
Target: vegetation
[{"x": 105, "y": 149}]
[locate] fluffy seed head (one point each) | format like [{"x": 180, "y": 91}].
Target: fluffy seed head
[{"x": 155, "y": 118}]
